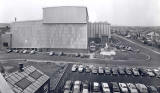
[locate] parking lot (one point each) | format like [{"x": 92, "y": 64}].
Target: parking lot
[{"x": 97, "y": 77}]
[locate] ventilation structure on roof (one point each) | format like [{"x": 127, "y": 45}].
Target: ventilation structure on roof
[
  {"x": 35, "y": 74},
  {"x": 23, "y": 83}
]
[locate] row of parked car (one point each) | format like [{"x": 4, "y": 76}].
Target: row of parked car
[
  {"x": 51, "y": 53},
  {"x": 152, "y": 72},
  {"x": 104, "y": 87},
  {"x": 21, "y": 51},
  {"x": 81, "y": 55},
  {"x": 124, "y": 47}
]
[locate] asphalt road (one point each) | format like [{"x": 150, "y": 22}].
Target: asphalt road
[{"x": 155, "y": 56}]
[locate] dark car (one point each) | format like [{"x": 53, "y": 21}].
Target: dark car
[
  {"x": 114, "y": 71},
  {"x": 88, "y": 69},
  {"x": 107, "y": 70},
  {"x": 121, "y": 71},
  {"x": 9, "y": 50},
  {"x": 115, "y": 87},
  {"x": 128, "y": 71},
  {"x": 94, "y": 70},
  {"x": 142, "y": 72},
  {"x": 85, "y": 85},
  {"x": 152, "y": 89}
]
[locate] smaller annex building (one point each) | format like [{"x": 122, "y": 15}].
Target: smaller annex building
[{"x": 30, "y": 80}]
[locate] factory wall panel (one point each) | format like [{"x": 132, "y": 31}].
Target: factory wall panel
[
  {"x": 65, "y": 14},
  {"x": 98, "y": 29},
  {"x": 35, "y": 34}
]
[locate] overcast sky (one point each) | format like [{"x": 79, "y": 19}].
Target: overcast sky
[{"x": 116, "y": 12}]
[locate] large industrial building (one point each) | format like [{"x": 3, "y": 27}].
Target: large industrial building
[{"x": 65, "y": 27}]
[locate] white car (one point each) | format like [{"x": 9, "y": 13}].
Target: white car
[
  {"x": 150, "y": 72},
  {"x": 74, "y": 68},
  {"x": 141, "y": 88},
  {"x": 132, "y": 88},
  {"x": 32, "y": 52},
  {"x": 24, "y": 51},
  {"x": 85, "y": 91},
  {"x": 51, "y": 53},
  {"x": 96, "y": 87},
  {"x": 105, "y": 88},
  {"x": 80, "y": 68},
  {"x": 123, "y": 88},
  {"x": 76, "y": 89},
  {"x": 77, "y": 82}
]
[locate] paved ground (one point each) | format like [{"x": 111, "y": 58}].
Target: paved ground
[{"x": 69, "y": 75}]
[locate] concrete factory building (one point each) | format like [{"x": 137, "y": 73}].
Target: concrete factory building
[
  {"x": 64, "y": 27},
  {"x": 61, "y": 27}
]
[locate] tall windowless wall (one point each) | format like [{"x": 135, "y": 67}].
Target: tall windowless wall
[
  {"x": 36, "y": 34},
  {"x": 98, "y": 29}
]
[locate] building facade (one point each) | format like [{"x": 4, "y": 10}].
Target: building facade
[
  {"x": 99, "y": 30},
  {"x": 61, "y": 27}
]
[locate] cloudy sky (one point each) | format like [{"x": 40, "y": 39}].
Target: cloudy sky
[{"x": 116, "y": 12}]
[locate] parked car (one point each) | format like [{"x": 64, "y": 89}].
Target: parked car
[
  {"x": 105, "y": 88},
  {"x": 77, "y": 86},
  {"x": 115, "y": 87},
  {"x": 128, "y": 71},
  {"x": 135, "y": 72},
  {"x": 150, "y": 72},
  {"x": 80, "y": 68},
  {"x": 121, "y": 71},
  {"x": 141, "y": 88},
  {"x": 76, "y": 89},
  {"x": 100, "y": 70},
  {"x": 9, "y": 50},
  {"x": 96, "y": 87},
  {"x": 77, "y": 55},
  {"x": 60, "y": 53},
  {"x": 132, "y": 88},
  {"x": 94, "y": 70},
  {"x": 123, "y": 88},
  {"x": 82, "y": 55},
  {"x": 74, "y": 68},
  {"x": 68, "y": 85},
  {"x": 16, "y": 51},
  {"x": 88, "y": 69},
  {"x": 142, "y": 72},
  {"x": 51, "y": 53},
  {"x": 85, "y": 87},
  {"x": 67, "y": 91},
  {"x": 32, "y": 52},
  {"x": 152, "y": 89},
  {"x": 24, "y": 51},
  {"x": 107, "y": 70},
  {"x": 157, "y": 72},
  {"x": 114, "y": 71}
]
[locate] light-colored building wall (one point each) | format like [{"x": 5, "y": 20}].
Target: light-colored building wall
[
  {"x": 98, "y": 29},
  {"x": 65, "y": 14},
  {"x": 36, "y": 34}
]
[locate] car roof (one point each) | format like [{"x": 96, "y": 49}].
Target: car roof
[
  {"x": 96, "y": 84},
  {"x": 105, "y": 84}
]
